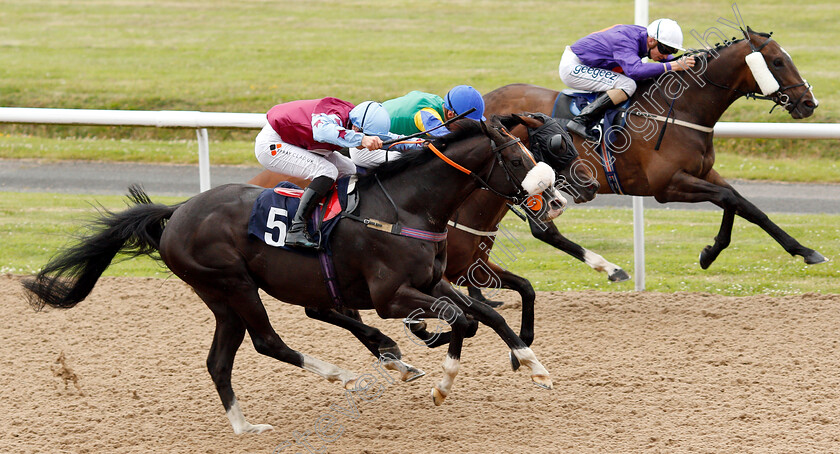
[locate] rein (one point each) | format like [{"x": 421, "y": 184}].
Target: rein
[
  {"x": 481, "y": 182},
  {"x": 398, "y": 229},
  {"x": 779, "y": 97}
]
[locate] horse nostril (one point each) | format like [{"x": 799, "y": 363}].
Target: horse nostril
[{"x": 809, "y": 104}]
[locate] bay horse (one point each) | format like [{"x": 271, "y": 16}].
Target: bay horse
[
  {"x": 681, "y": 171},
  {"x": 205, "y": 242}
]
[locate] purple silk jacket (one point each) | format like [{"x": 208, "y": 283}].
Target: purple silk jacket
[{"x": 619, "y": 48}]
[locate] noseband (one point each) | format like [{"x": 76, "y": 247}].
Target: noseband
[
  {"x": 520, "y": 195},
  {"x": 779, "y": 97}
]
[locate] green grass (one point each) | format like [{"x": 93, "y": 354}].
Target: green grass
[
  {"x": 811, "y": 169},
  {"x": 34, "y": 226},
  {"x": 248, "y": 55},
  {"x": 753, "y": 264}
]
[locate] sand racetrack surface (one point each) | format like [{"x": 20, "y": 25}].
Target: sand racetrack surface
[{"x": 124, "y": 371}]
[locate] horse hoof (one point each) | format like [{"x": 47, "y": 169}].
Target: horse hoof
[
  {"x": 706, "y": 258},
  {"x": 350, "y": 384},
  {"x": 619, "y": 275},
  {"x": 815, "y": 258},
  {"x": 260, "y": 428},
  {"x": 543, "y": 381},
  {"x": 412, "y": 374},
  {"x": 437, "y": 396},
  {"x": 514, "y": 363}
]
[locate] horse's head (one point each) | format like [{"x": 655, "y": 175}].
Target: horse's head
[
  {"x": 540, "y": 177},
  {"x": 550, "y": 143},
  {"x": 774, "y": 75},
  {"x": 514, "y": 173}
]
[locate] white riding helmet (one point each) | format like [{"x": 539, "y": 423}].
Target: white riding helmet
[
  {"x": 372, "y": 118},
  {"x": 667, "y": 32}
]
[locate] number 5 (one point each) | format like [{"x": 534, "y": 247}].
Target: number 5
[{"x": 275, "y": 223}]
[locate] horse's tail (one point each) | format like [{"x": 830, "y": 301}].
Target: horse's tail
[{"x": 69, "y": 277}]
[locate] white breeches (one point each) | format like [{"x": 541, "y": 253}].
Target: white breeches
[
  {"x": 581, "y": 77},
  {"x": 297, "y": 162}
]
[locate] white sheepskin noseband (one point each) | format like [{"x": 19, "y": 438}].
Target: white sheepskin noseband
[
  {"x": 766, "y": 82},
  {"x": 538, "y": 179}
]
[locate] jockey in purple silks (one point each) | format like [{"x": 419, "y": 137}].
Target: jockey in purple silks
[{"x": 610, "y": 61}]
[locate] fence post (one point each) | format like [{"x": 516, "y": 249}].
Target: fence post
[
  {"x": 641, "y": 18},
  {"x": 203, "y": 159}
]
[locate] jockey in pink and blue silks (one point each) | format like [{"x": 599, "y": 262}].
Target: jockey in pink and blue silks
[
  {"x": 301, "y": 140},
  {"x": 610, "y": 61}
]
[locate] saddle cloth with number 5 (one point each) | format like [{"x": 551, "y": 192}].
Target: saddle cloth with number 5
[{"x": 275, "y": 208}]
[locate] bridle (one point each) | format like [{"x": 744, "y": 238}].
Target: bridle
[
  {"x": 779, "y": 97},
  {"x": 516, "y": 198}
]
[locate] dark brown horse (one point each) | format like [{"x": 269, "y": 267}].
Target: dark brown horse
[
  {"x": 574, "y": 177},
  {"x": 681, "y": 169},
  {"x": 205, "y": 242},
  {"x": 475, "y": 223}
]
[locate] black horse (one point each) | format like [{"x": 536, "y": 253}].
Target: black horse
[{"x": 205, "y": 242}]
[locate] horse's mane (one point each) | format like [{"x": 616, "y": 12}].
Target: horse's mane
[
  {"x": 707, "y": 54},
  {"x": 726, "y": 43},
  {"x": 460, "y": 130}
]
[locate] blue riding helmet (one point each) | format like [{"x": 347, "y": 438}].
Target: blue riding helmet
[
  {"x": 372, "y": 119},
  {"x": 464, "y": 97}
]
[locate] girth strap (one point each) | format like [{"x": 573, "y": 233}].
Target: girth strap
[
  {"x": 398, "y": 229},
  {"x": 330, "y": 277},
  {"x": 472, "y": 230},
  {"x": 671, "y": 120}
]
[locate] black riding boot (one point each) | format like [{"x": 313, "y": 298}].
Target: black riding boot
[
  {"x": 297, "y": 235},
  {"x": 589, "y": 116}
]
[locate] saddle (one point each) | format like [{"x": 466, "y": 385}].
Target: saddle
[
  {"x": 569, "y": 103},
  {"x": 275, "y": 208}
]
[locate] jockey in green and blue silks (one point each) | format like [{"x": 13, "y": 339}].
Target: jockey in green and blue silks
[{"x": 418, "y": 111}]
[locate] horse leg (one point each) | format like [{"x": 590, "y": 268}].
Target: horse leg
[
  {"x": 485, "y": 314},
  {"x": 230, "y": 330},
  {"x": 687, "y": 188},
  {"x": 267, "y": 342},
  {"x": 411, "y": 302},
  {"x": 380, "y": 345},
  {"x": 505, "y": 279},
  {"x": 710, "y": 253},
  {"x": 475, "y": 293},
  {"x": 547, "y": 232}
]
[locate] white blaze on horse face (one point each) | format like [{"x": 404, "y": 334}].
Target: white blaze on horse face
[
  {"x": 538, "y": 179},
  {"x": 240, "y": 425},
  {"x": 810, "y": 88}
]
